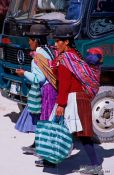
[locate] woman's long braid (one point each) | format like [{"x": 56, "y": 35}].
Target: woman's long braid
[
  {"x": 73, "y": 45},
  {"x": 79, "y": 54}
]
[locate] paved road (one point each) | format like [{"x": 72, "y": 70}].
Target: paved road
[{"x": 14, "y": 162}]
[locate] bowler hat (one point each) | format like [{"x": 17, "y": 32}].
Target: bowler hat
[
  {"x": 63, "y": 32},
  {"x": 37, "y": 30}
]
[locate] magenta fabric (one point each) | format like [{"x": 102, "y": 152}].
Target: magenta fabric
[
  {"x": 89, "y": 76},
  {"x": 48, "y": 100}
]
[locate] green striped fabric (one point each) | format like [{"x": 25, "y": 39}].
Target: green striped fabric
[
  {"x": 53, "y": 141},
  {"x": 34, "y": 99}
]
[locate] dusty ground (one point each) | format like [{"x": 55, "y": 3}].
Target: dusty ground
[{"x": 14, "y": 162}]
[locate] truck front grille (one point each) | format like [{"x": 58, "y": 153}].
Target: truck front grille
[{"x": 10, "y": 55}]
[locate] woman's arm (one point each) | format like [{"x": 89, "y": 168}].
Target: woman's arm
[
  {"x": 64, "y": 82},
  {"x": 35, "y": 75}
]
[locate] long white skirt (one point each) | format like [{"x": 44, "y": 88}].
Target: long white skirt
[{"x": 71, "y": 117}]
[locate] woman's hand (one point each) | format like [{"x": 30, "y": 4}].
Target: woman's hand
[
  {"x": 60, "y": 57},
  {"x": 59, "y": 111},
  {"x": 20, "y": 72},
  {"x": 36, "y": 60}
]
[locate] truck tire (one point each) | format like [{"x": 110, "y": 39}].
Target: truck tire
[{"x": 103, "y": 116}]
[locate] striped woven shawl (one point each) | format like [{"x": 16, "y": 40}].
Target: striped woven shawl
[{"x": 89, "y": 76}]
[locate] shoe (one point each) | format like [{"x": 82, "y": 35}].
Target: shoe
[
  {"x": 31, "y": 146},
  {"x": 29, "y": 149},
  {"x": 44, "y": 163},
  {"x": 93, "y": 170},
  {"x": 38, "y": 157}
]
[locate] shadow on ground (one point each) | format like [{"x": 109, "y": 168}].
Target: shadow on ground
[
  {"x": 13, "y": 116},
  {"x": 73, "y": 163}
]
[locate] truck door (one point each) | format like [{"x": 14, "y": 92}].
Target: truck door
[{"x": 100, "y": 30}]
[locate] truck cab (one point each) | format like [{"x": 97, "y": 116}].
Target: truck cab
[{"x": 92, "y": 24}]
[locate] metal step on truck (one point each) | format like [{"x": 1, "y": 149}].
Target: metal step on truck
[{"x": 91, "y": 21}]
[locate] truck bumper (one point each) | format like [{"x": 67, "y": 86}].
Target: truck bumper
[{"x": 12, "y": 86}]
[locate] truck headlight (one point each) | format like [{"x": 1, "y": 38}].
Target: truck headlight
[{"x": 1, "y": 53}]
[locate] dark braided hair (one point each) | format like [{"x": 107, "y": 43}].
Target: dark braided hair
[
  {"x": 71, "y": 44},
  {"x": 79, "y": 54},
  {"x": 41, "y": 40}
]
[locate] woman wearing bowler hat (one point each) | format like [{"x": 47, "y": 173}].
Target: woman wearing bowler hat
[
  {"x": 71, "y": 88},
  {"x": 27, "y": 121},
  {"x": 71, "y": 84}
]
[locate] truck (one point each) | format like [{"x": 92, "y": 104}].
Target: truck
[{"x": 92, "y": 24}]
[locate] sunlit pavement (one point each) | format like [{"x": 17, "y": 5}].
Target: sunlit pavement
[{"x": 14, "y": 162}]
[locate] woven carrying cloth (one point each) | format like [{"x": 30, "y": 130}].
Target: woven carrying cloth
[
  {"x": 88, "y": 76},
  {"x": 42, "y": 63}
]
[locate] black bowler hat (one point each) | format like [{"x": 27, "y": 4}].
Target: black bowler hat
[
  {"x": 63, "y": 32},
  {"x": 37, "y": 30}
]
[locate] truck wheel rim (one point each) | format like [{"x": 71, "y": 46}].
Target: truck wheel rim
[{"x": 103, "y": 114}]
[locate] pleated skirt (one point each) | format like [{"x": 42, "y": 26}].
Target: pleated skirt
[
  {"x": 85, "y": 114},
  {"x": 27, "y": 121}
]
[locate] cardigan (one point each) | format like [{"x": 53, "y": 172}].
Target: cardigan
[
  {"x": 67, "y": 83},
  {"x": 35, "y": 71}
]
